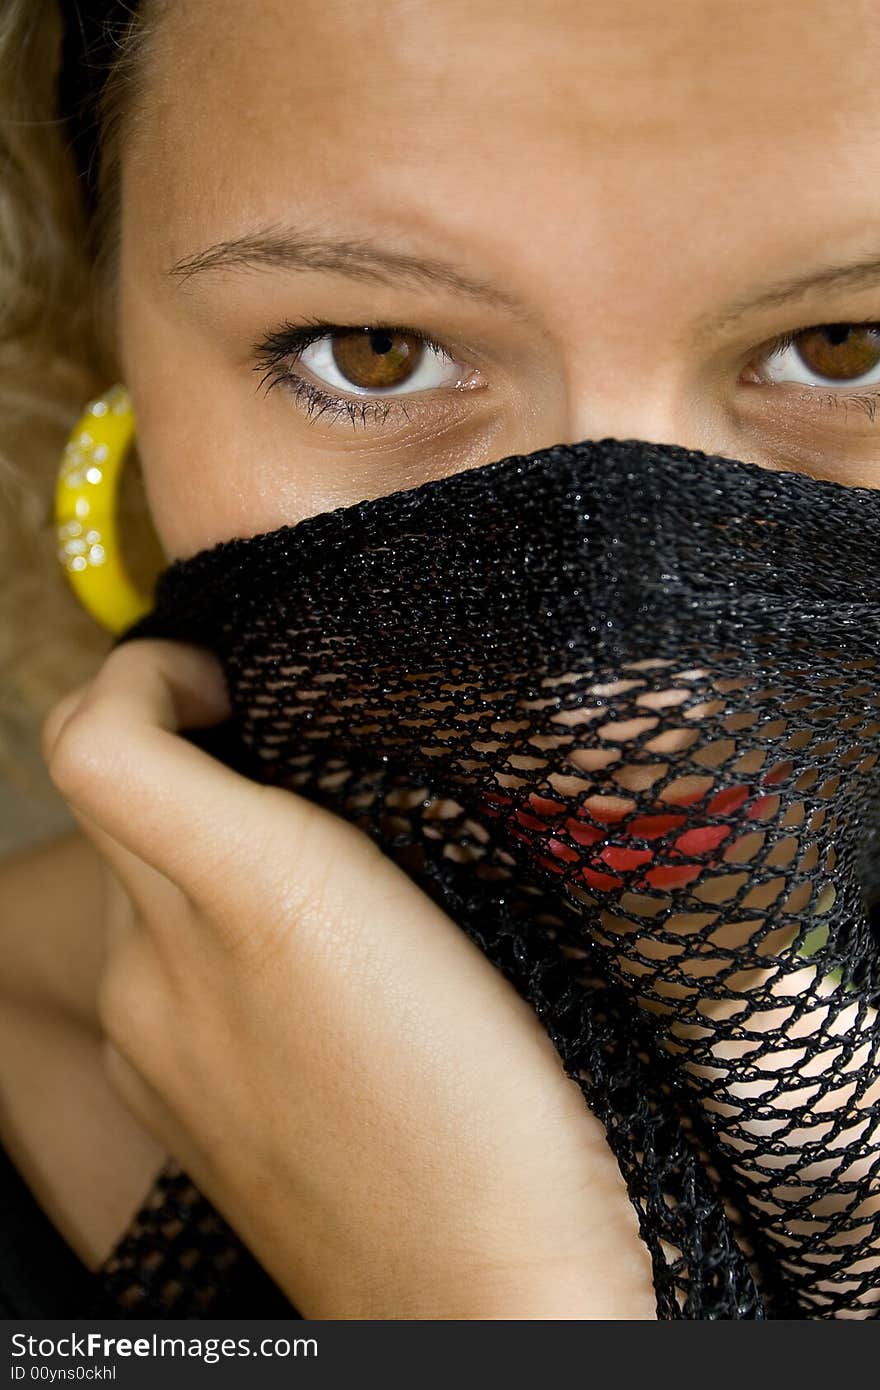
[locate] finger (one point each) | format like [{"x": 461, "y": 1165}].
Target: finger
[
  {"x": 231, "y": 845},
  {"x": 118, "y": 760},
  {"x": 140, "y": 878},
  {"x": 58, "y": 717},
  {"x": 113, "y": 751},
  {"x": 198, "y": 697},
  {"x": 129, "y": 881},
  {"x": 187, "y": 687},
  {"x": 147, "y": 1106}
]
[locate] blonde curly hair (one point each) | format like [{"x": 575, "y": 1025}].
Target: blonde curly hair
[{"x": 57, "y": 350}]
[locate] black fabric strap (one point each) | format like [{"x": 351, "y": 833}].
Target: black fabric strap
[{"x": 92, "y": 30}]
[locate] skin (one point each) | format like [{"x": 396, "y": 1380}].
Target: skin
[
  {"x": 654, "y": 176},
  {"x": 594, "y": 166}
]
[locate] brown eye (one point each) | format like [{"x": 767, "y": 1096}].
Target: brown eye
[
  {"x": 372, "y": 361},
  {"x": 842, "y": 352},
  {"x": 376, "y": 358},
  {"x": 839, "y": 351}
]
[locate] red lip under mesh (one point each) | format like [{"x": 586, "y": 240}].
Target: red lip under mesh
[{"x": 616, "y": 707}]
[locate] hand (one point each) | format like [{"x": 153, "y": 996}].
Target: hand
[{"x": 357, "y": 1089}]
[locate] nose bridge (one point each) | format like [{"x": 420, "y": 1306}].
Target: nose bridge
[
  {"x": 631, "y": 412},
  {"x": 621, "y": 343},
  {"x": 611, "y": 391}
]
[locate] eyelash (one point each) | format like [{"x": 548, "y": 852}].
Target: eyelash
[
  {"x": 271, "y": 356},
  {"x": 831, "y": 400}
]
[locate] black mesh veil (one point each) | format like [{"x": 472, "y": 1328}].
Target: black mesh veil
[{"x": 615, "y": 706}]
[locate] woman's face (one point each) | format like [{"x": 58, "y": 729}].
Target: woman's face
[{"x": 603, "y": 216}]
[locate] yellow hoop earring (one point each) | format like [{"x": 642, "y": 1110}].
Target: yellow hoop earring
[{"x": 85, "y": 512}]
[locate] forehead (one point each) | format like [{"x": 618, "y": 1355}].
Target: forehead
[{"x": 616, "y": 119}]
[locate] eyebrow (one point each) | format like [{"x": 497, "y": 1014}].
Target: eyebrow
[
  {"x": 290, "y": 249},
  {"x": 856, "y": 275}
]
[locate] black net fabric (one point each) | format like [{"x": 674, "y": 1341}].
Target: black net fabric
[
  {"x": 180, "y": 1259},
  {"x": 615, "y": 706}
]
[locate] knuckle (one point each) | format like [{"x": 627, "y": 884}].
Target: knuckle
[
  {"x": 65, "y": 762},
  {"x": 78, "y": 750},
  {"x": 111, "y": 1003},
  {"x": 126, "y": 1000},
  {"x": 54, "y": 722}
]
